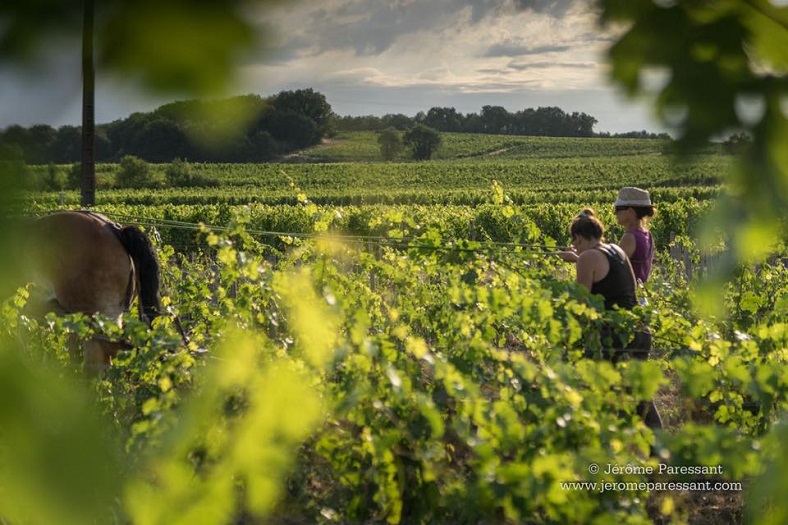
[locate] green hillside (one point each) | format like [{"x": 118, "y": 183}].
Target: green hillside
[{"x": 363, "y": 147}]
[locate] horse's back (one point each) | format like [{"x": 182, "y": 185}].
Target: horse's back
[{"x": 80, "y": 257}]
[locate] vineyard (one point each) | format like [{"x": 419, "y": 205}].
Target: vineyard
[{"x": 398, "y": 343}]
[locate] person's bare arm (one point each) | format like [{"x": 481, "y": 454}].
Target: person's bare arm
[
  {"x": 627, "y": 243},
  {"x": 568, "y": 255},
  {"x": 586, "y": 269}
]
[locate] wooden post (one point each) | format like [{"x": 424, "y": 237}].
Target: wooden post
[{"x": 88, "y": 109}]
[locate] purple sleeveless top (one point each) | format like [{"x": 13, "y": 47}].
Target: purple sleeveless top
[{"x": 644, "y": 254}]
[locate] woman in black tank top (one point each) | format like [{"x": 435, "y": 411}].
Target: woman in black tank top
[
  {"x": 618, "y": 286},
  {"x": 604, "y": 269}
]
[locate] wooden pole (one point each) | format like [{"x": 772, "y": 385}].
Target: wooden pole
[{"x": 88, "y": 109}]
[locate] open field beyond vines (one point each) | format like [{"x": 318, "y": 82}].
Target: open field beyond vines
[
  {"x": 396, "y": 342},
  {"x": 547, "y": 183},
  {"x": 463, "y": 171}
]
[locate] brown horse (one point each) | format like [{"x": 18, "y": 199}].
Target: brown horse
[{"x": 81, "y": 261}]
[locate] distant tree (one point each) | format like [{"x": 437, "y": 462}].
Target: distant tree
[
  {"x": 309, "y": 103},
  {"x": 373, "y": 123},
  {"x": 42, "y": 144},
  {"x": 495, "y": 119},
  {"x": 105, "y": 152},
  {"x": 295, "y": 130},
  {"x": 161, "y": 140},
  {"x": 67, "y": 144},
  {"x": 264, "y": 146},
  {"x": 422, "y": 140},
  {"x": 126, "y": 134},
  {"x": 134, "y": 173},
  {"x": 15, "y": 139},
  {"x": 583, "y": 124},
  {"x": 398, "y": 121},
  {"x": 41, "y": 138},
  {"x": 443, "y": 119},
  {"x": 737, "y": 144},
  {"x": 547, "y": 121},
  {"x": 473, "y": 123},
  {"x": 363, "y": 123},
  {"x": 181, "y": 174},
  {"x": 390, "y": 143}
]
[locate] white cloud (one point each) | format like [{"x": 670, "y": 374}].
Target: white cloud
[{"x": 407, "y": 44}]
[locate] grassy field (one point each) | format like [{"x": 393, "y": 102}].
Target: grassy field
[{"x": 363, "y": 147}]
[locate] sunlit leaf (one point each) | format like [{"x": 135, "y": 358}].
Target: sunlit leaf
[{"x": 56, "y": 463}]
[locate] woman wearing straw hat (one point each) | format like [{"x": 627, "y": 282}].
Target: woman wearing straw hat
[{"x": 633, "y": 208}]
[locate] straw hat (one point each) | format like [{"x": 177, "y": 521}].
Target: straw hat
[{"x": 630, "y": 196}]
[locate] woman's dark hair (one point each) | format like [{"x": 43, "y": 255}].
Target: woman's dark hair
[
  {"x": 643, "y": 211},
  {"x": 586, "y": 225}
]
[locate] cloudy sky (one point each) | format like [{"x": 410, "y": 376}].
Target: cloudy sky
[{"x": 372, "y": 57}]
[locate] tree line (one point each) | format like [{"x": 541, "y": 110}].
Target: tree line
[
  {"x": 200, "y": 131},
  {"x": 548, "y": 121},
  {"x": 273, "y": 126}
]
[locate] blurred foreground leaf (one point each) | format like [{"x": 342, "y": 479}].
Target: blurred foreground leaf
[
  {"x": 170, "y": 46},
  {"x": 725, "y": 65},
  {"x": 57, "y": 465}
]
